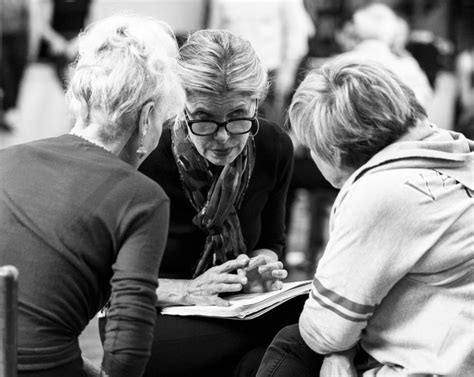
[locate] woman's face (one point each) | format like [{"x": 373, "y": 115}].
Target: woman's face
[{"x": 220, "y": 148}]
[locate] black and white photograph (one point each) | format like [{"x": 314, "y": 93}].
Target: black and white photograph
[{"x": 237, "y": 188}]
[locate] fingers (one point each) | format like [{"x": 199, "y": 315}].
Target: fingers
[
  {"x": 276, "y": 285},
  {"x": 273, "y": 271},
  {"x": 231, "y": 279},
  {"x": 223, "y": 288},
  {"x": 240, "y": 262},
  {"x": 217, "y": 301},
  {"x": 254, "y": 262},
  {"x": 274, "y": 266},
  {"x": 275, "y": 274}
]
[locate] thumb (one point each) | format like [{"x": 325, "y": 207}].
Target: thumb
[{"x": 220, "y": 302}]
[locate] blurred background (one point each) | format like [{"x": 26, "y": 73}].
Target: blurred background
[{"x": 429, "y": 43}]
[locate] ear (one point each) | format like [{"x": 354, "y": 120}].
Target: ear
[
  {"x": 337, "y": 158},
  {"x": 145, "y": 118}
]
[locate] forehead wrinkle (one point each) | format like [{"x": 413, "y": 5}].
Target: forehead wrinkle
[{"x": 210, "y": 104}]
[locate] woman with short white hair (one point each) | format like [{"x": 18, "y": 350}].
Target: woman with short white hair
[
  {"x": 395, "y": 283},
  {"x": 79, "y": 222}
]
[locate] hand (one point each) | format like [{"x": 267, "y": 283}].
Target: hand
[
  {"x": 91, "y": 369},
  {"x": 264, "y": 274},
  {"x": 58, "y": 45},
  {"x": 338, "y": 365},
  {"x": 72, "y": 49},
  {"x": 204, "y": 289}
]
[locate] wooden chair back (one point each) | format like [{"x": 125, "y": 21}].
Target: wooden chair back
[{"x": 8, "y": 321}]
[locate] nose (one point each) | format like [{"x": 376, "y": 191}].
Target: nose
[{"x": 221, "y": 135}]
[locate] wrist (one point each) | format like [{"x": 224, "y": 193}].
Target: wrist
[{"x": 173, "y": 292}]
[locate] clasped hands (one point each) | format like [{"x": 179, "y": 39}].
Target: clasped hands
[{"x": 257, "y": 274}]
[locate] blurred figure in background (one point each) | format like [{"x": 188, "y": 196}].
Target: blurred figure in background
[
  {"x": 278, "y": 30},
  {"x": 13, "y": 58},
  {"x": 463, "y": 14},
  {"x": 327, "y": 18},
  {"x": 465, "y": 78},
  {"x": 59, "y": 23},
  {"x": 377, "y": 33}
]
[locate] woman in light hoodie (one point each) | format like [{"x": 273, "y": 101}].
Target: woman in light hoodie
[{"x": 394, "y": 287}]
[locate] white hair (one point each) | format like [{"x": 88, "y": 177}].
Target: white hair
[
  {"x": 376, "y": 21},
  {"x": 124, "y": 61}
]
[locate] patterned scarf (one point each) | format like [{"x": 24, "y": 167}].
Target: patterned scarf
[{"x": 215, "y": 196}]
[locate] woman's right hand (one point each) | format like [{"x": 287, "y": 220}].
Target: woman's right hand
[
  {"x": 205, "y": 289},
  {"x": 339, "y": 364}
]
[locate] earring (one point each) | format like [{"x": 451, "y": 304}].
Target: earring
[
  {"x": 141, "y": 151},
  {"x": 256, "y": 128}
]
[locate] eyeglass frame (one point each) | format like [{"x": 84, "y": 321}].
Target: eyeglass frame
[{"x": 253, "y": 119}]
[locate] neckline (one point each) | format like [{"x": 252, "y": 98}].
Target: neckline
[{"x": 90, "y": 141}]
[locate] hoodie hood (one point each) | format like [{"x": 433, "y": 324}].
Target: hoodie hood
[{"x": 428, "y": 147}]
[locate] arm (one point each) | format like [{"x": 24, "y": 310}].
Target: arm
[
  {"x": 464, "y": 67},
  {"x": 296, "y": 29},
  {"x": 41, "y": 14},
  {"x": 215, "y": 15},
  {"x": 376, "y": 238},
  {"x": 72, "y": 48},
  {"x": 132, "y": 314},
  {"x": 272, "y": 217}
]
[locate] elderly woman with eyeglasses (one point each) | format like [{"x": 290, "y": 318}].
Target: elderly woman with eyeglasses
[
  {"x": 226, "y": 172},
  {"x": 76, "y": 218}
]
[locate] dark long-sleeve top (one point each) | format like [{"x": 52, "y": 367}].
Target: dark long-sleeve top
[
  {"x": 81, "y": 225},
  {"x": 262, "y": 211}
]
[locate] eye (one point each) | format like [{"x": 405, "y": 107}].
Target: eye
[{"x": 201, "y": 115}]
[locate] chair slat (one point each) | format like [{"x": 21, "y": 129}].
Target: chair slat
[{"x": 8, "y": 321}]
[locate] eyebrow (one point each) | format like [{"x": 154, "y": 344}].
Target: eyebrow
[{"x": 201, "y": 109}]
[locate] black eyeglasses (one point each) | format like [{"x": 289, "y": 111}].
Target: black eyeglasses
[{"x": 235, "y": 126}]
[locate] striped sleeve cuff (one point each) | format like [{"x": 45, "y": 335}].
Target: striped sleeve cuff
[{"x": 340, "y": 305}]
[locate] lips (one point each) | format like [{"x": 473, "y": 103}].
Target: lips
[{"x": 222, "y": 152}]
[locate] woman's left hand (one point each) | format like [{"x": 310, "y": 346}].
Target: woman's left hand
[{"x": 264, "y": 272}]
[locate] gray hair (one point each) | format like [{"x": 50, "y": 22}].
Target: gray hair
[
  {"x": 124, "y": 61},
  {"x": 352, "y": 109},
  {"x": 376, "y": 21},
  {"x": 214, "y": 62}
]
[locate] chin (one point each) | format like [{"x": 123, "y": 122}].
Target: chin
[{"x": 221, "y": 161}]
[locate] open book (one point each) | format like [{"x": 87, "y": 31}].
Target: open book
[{"x": 242, "y": 305}]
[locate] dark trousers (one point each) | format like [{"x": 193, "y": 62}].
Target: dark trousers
[
  {"x": 199, "y": 346},
  {"x": 289, "y": 356},
  {"x": 13, "y": 57}
]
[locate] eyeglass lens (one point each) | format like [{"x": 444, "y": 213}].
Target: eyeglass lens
[{"x": 232, "y": 127}]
